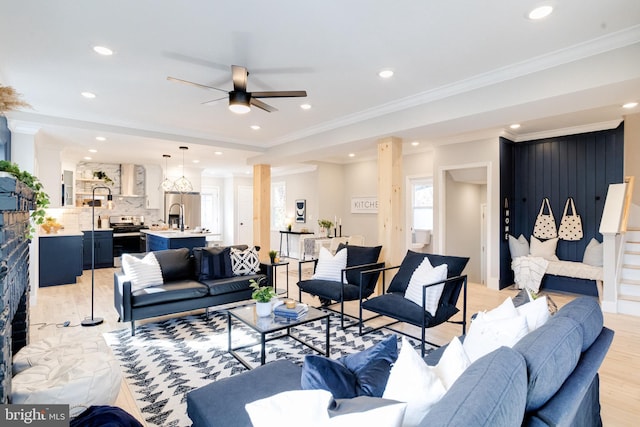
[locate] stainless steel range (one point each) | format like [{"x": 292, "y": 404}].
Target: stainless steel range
[{"x": 126, "y": 236}]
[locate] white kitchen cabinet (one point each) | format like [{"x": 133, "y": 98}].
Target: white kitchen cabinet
[{"x": 153, "y": 178}]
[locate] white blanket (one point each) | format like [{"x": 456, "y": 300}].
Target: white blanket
[{"x": 528, "y": 272}]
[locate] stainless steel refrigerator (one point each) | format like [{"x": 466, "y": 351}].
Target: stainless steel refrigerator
[{"x": 191, "y": 202}]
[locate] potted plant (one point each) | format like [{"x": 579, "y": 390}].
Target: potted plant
[
  {"x": 263, "y": 296},
  {"x": 103, "y": 176},
  {"x": 272, "y": 256},
  {"x": 41, "y": 197},
  {"x": 326, "y": 224}
]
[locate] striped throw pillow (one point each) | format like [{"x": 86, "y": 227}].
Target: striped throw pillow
[{"x": 143, "y": 272}]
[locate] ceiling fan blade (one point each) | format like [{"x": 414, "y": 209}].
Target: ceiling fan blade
[
  {"x": 280, "y": 94},
  {"x": 214, "y": 100},
  {"x": 263, "y": 106},
  {"x": 239, "y": 78},
  {"x": 175, "y": 79}
]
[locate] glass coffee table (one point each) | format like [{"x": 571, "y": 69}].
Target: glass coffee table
[{"x": 275, "y": 326}]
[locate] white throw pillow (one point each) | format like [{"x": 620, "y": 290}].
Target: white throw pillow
[
  {"x": 593, "y": 254},
  {"x": 143, "y": 272},
  {"x": 423, "y": 275},
  {"x": 485, "y": 336},
  {"x": 310, "y": 408},
  {"x": 506, "y": 310},
  {"x": 544, "y": 249},
  {"x": 291, "y": 409},
  {"x": 518, "y": 247},
  {"x": 412, "y": 381},
  {"x": 330, "y": 266},
  {"x": 244, "y": 263},
  {"x": 536, "y": 312},
  {"x": 387, "y": 416},
  {"x": 453, "y": 363}
]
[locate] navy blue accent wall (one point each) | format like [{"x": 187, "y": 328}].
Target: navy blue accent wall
[
  {"x": 580, "y": 166},
  {"x": 5, "y": 139}
]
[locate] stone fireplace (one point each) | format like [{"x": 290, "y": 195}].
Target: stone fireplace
[{"x": 15, "y": 202}]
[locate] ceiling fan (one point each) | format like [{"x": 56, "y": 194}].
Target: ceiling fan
[{"x": 239, "y": 99}]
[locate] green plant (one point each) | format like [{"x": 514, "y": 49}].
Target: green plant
[
  {"x": 273, "y": 254},
  {"x": 103, "y": 176},
  {"x": 41, "y": 197},
  {"x": 261, "y": 293},
  {"x": 325, "y": 223}
]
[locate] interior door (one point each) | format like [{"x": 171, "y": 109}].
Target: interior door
[{"x": 245, "y": 216}]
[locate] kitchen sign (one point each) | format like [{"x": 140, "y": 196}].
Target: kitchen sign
[{"x": 364, "y": 205}]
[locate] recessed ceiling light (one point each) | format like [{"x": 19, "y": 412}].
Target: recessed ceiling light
[
  {"x": 386, "y": 74},
  {"x": 87, "y": 158},
  {"x": 630, "y": 105},
  {"x": 218, "y": 153},
  {"x": 415, "y": 143},
  {"x": 352, "y": 154},
  {"x": 255, "y": 127},
  {"x": 305, "y": 106},
  {"x": 540, "y": 12},
  {"x": 89, "y": 95},
  {"x": 515, "y": 126},
  {"x": 102, "y": 50},
  {"x": 101, "y": 138},
  {"x": 195, "y": 161},
  {"x": 93, "y": 150}
]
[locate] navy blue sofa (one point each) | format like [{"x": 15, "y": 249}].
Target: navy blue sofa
[{"x": 549, "y": 378}]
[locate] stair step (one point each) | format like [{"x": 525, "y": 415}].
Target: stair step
[
  {"x": 629, "y": 289},
  {"x": 630, "y": 307},
  {"x": 630, "y": 282},
  {"x": 631, "y": 266},
  {"x": 627, "y": 297},
  {"x": 631, "y": 259}
]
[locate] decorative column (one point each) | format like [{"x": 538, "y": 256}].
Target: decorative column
[
  {"x": 262, "y": 209},
  {"x": 390, "y": 208}
]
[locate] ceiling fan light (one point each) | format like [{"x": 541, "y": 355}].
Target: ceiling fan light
[{"x": 239, "y": 102}]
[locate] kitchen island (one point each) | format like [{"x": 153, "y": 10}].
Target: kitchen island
[{"x": 173, "y": 239}]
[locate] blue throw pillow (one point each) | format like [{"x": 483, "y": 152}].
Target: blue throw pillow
[
  {"x": 322, "y": 373},
  {"x": 360, "y": 374},
  {"x": 372, "y": 366}
]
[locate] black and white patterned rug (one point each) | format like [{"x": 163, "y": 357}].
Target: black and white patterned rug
[{"x": 165, "y": 360}]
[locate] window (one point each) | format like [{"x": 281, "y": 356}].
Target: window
[
  {"x": 278, "y": 205},
  {"x": 422, "y": 204},
  {"x": 210, "y": 210}
]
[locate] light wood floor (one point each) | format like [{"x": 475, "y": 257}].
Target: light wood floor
[{"x": 619, "y": 374}]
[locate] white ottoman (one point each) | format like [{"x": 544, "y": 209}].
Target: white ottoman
[
  {"x": 63, "y": 371},
  {"x": 58, "y": 347}
]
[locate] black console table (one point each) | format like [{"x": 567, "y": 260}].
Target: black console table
[{"x": 289, "y": 233}]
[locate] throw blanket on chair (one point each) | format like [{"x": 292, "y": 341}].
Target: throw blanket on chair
[{"x": 528, "y": 272}]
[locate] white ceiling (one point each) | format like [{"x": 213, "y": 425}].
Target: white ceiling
[{"x": 463, "y": 71}]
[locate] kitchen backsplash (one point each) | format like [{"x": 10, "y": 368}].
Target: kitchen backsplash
[{"x": 79, "y": 218}]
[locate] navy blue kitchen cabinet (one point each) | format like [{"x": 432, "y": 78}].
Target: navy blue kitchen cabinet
[
  {"x": 60, "y": 259},
  {"x": 103, "y": 248}
]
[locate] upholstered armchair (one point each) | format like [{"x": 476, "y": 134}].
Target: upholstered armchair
[
  {"x": 393, "y": 302},
  {"x": 337, "y": 284}
]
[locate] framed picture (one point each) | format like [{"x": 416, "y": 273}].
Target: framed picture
[{"x": 301, "y": 210}]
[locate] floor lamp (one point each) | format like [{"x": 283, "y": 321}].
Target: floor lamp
[{"x": 94, "y": 321}]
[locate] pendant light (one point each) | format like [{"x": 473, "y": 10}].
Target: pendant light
[
  {"x": 167, "y": 184},
  {"x": 182, "y": 184}
]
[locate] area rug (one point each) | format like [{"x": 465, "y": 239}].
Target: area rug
[{"x": 165, "y": 360}]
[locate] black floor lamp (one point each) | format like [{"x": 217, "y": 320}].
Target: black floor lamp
[{"x": 93, "y": 321}]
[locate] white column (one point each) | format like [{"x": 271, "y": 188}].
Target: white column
[{"x": 23, "y": 153}]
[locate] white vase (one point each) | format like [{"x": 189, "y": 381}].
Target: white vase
[{"x": 263, "y": 309}]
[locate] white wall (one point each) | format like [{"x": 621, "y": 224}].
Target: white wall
[
  {"x": 484, "y": 153},
  {"x": 463, "y": 228},
  {"x": 360, "y": 180}
]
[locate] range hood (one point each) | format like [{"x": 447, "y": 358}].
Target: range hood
[{"x": 128, "y": 180}]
